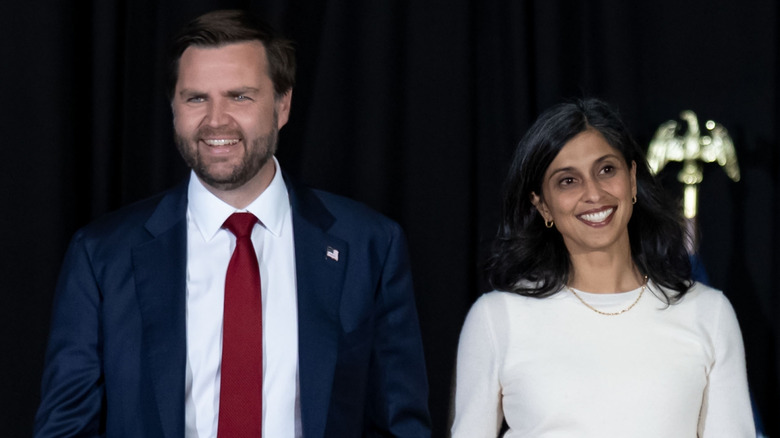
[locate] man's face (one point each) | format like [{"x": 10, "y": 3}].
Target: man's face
[{"x": 226, "y": 118}]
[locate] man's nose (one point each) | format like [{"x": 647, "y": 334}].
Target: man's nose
[{"x": 217, "y": 114}]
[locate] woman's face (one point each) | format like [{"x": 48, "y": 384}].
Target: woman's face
[{"x": 587, "y": 191}]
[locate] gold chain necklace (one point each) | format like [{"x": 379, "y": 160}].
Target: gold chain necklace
[{"x": 641, "y": 291}]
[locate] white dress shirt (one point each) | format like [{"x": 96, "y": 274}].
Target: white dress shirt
[{"x": 209, "y": 248}]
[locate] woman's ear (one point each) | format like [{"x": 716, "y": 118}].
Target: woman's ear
[{"x": 541, "y": 207}]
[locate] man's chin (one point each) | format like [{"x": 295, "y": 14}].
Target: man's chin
[
  {"x": 230, "y": 176},
  {"x": 221, "y": 181}
]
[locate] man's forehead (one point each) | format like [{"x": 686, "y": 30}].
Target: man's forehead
[
  {"x": 248, "y": 46},
  {"x": 222, "y": 69},
  {"x": 234, "y": 58}
]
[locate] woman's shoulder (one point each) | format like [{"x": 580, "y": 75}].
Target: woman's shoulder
[
  {"x": 494, "y": 315},
  {"x": 493, "y": 297},
  {"x": 490, "y": 303},
  {"x": 702, "y": 298},
  {"x": 498, "y": 302},
  {"x": 702, "y": 294},
  {"x": 503, "y": 298}
]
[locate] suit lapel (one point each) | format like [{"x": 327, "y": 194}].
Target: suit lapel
[
  {"x": 159, "y": 268},
  {"x": 320, "y": 268}
]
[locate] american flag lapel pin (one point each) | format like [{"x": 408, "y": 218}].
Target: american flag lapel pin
[{"x": 332, "y": 253}]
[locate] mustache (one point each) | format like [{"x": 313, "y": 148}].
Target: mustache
[{"x": 208, "y": 131}]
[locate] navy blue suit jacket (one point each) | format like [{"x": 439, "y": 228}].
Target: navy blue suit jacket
[{"x": 116, "y": 359}]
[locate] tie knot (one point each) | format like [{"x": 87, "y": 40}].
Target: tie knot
[{"x": 240, "y": 224}]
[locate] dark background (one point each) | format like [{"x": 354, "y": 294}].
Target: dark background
[{"x": 413, "y": 107}]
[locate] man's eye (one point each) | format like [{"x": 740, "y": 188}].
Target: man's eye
[{"x": 196, "y": 99}]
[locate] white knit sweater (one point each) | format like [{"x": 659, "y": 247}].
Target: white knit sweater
[{"x": 554, "y": 368}]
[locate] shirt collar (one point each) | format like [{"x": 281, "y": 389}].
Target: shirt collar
[{"x": 209, "y": 212}]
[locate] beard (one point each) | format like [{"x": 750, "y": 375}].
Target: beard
[{"x": 258, "y": 152}]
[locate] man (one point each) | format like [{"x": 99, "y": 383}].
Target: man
[{"x": 137, "y": 346}]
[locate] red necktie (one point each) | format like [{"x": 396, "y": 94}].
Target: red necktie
[{"x": 241, "y": 388}]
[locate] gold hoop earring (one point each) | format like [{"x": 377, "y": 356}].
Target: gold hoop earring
[
  {"x": 548, "y": 224},
  {"x": 633, "y": 199}
]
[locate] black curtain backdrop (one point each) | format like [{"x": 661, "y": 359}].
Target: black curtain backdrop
[{"x": 413, "y": 107}]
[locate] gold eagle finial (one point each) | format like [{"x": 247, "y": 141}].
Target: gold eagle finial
[{"x": 672, "y": 142}]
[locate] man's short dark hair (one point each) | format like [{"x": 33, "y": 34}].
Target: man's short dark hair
[{"x": 222, "y": 27}]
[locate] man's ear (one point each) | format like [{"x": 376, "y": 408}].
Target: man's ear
[
  {"x": 541, "y": 207},
  {"x": 283, "y": 104}
]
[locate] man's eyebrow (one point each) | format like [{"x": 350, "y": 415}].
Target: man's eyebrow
[
  {"x": 233, "y": 92},
  {"x": 243, "y": 90},
  {"x": 190, "y": 92}
]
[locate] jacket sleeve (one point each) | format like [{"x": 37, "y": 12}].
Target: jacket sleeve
[
  {"x": 72, "y": 390},
  {"x": 397, "y": 376}
]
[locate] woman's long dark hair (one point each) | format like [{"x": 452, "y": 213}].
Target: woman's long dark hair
[{"x": 529, "y": 259}]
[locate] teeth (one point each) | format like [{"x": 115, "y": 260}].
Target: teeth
[
  {"x": 220, "y": 141},
  {"x": 597, "y": 217}
]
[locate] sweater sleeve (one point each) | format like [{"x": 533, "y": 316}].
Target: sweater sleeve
[
  {"x": 726, "y": 411},
  {"x": 478, "y": 411}
]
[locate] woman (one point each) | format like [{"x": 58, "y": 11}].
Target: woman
[{"x": 596, "y": 329}]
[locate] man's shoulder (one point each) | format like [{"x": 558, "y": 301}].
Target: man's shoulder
[
  {"x": 128, "y": 220},
  {"x": 347, "y": 214},
  {"x": 344, "y": 206},
  {"x": 308, "y": 200}
]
